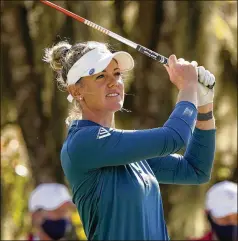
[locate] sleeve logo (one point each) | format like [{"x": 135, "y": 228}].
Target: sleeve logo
[
  {"x": 188, "y": 112},
  {"x": 103, "y": 133}
]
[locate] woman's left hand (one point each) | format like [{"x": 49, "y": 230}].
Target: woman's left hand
[{"x": 205, "y": 95}]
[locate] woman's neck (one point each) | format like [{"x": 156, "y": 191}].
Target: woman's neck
[{"x": 106, "y": 120}]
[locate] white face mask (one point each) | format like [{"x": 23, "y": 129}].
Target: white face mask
[{"x": 96, "y": 61}]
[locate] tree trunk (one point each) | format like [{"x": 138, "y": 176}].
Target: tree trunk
[{"x": 41, "y": 121}]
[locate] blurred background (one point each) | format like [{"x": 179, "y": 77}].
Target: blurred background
[{"x": 34, "y": 109}]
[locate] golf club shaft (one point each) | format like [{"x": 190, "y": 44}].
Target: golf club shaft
[{"x": 138, "y": 47}]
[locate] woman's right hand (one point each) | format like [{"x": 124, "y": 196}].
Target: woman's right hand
[{"x": 182, "y": 73}]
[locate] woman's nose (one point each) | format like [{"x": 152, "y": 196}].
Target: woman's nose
[
  {"x": 112, "y": 84},
  {"x": 113, "y": 81}
]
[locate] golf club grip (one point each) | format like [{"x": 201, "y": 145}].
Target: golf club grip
[
  {"x": 160, "y": 58},
  {"x": 152, "y": 54}
]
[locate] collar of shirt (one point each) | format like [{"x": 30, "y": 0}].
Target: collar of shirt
[{"x": 81, "y": 123}]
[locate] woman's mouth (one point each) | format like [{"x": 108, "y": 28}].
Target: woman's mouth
[{"x": 112, "y": 95}]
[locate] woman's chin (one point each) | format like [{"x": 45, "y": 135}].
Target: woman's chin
[{"x": 115, "y": 106}]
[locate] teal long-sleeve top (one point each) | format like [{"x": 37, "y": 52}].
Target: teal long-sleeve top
[{"x": 115, "y": 174}]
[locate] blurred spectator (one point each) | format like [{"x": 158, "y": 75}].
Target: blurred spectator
[
  {"x": 50, "y": 206},
  {"x": 221, "y": 211}
]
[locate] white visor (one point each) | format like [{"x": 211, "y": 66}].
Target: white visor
[
  {"x": 221, "y": 199},
  {"x": 49, "y": 196},
  {"x": 96, "y": 61}
]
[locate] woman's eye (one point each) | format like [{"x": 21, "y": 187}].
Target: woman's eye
[{"x": 100, "y": 76}]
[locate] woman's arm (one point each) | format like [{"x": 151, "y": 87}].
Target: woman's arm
[
  {"x": 87, "y": 149},
  {"x": 119, "y": 147},
  {"x": 196, "y": 164}
]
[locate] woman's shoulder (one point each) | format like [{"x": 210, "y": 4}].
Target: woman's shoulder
[
  {"x": 79, "y": 136},
  {"x": 79, "y": 143}
]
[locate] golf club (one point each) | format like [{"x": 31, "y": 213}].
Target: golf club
[{"x": 138, "y": 47}]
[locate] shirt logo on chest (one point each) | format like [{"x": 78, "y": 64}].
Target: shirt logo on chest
[{"x": 103, "y": 133}]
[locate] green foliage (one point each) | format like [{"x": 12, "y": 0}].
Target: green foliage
[{"x": 16, "y": 183}]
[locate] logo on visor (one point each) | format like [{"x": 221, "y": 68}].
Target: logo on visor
[{"x": 91, "y": 71}]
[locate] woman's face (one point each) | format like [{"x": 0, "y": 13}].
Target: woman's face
[{"x": 104, "y": 92}]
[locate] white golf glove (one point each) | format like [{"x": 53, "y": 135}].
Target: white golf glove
[{"x": 205, "y": 95}]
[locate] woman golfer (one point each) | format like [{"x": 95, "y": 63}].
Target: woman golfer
[{"x": 115, "y": 174}]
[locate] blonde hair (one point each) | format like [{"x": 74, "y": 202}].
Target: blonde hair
[{"x": 61, "y": 58}]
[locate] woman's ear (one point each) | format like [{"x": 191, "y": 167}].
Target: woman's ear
[
  {"x": 78, "y": 97},
  {"x": 75, "y": 91}
]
